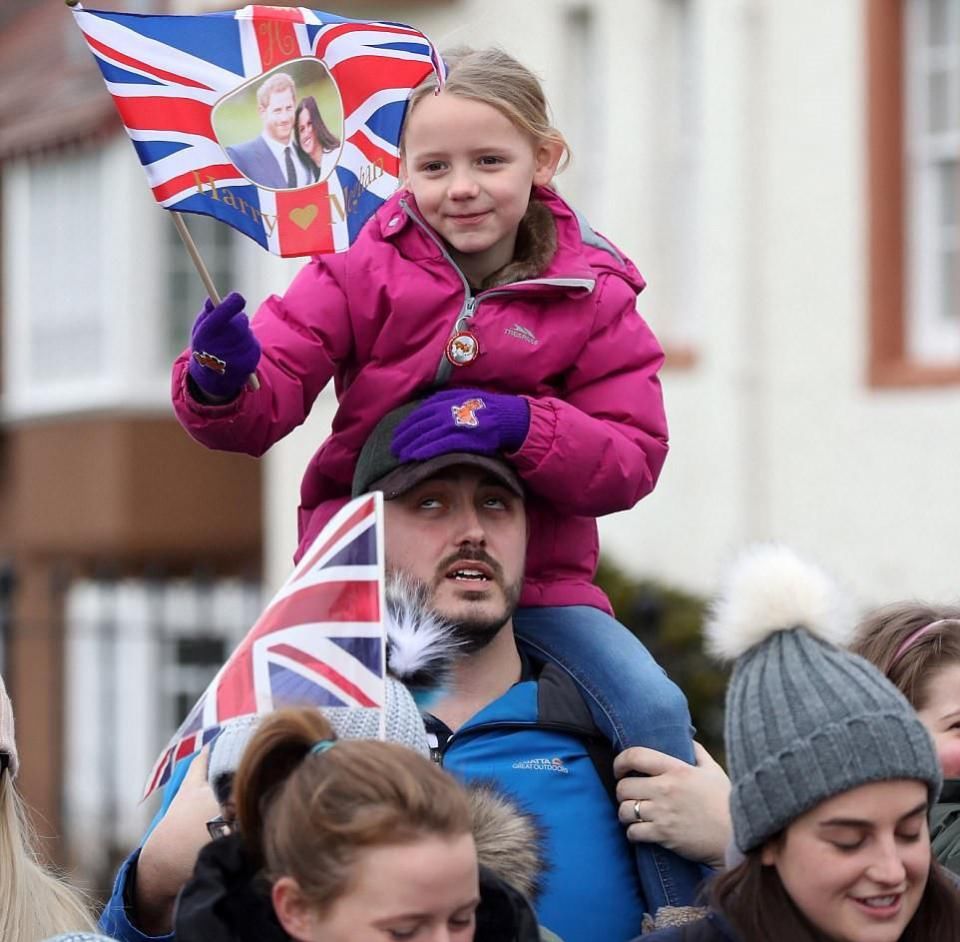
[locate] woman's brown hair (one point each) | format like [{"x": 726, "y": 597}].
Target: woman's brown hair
[
  {"x": 325, "y": 137},
  {"x": 883, "y": 633},
  {"x": 753, "y": 899},
  {"x": 307, "y": 814}
]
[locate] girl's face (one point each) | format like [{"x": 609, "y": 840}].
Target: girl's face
[
  {"x": 857, "y": 864},
  {"x": 471, "y": 170},
  {"x": 427, "y": 890},
  {"x": 941, "y": 716}
]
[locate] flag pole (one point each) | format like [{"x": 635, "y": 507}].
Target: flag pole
[
  {"x": 196, "y": 257},
  {"x": 204, "y": 273},
  {"x": 191, "y": 247}
]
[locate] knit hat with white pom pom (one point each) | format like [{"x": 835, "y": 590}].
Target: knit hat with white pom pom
[
  {"x": 805, "y": 720},
  {"x": 421, "y": 651}
]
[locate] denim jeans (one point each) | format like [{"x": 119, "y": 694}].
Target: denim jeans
[{"x": 633, "y": 703}]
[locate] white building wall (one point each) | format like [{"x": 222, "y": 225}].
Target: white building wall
[{"x": 761, "y": 240}]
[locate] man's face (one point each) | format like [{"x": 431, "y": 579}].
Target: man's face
[
  {"x": 463, "y": 535},
  {"x": 277, "y": 115}
]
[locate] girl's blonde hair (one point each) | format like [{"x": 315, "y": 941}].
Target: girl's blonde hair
[
  {"x": 34, "y": 903},
  {"x": 309, "y": 814},
  {"x": 891, "y": 638},
  {"x": 495, "y": 78}
]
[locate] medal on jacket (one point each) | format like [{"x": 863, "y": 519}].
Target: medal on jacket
[{"x": 462, "y": 348}]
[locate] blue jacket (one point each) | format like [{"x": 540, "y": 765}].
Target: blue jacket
[
  {"x": 115, "y": 920},
  {"x": 535, "y": 743},
  {"x": 539, "y": 743}
]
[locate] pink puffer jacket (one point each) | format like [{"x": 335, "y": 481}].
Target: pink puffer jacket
[{"x": 377, "y": 319}]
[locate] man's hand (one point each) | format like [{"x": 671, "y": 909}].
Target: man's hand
[
  {"x": 470, "y": 420},
  {"x": 685, "y": 808},
  {"x": 223, "y": 348},
  {"x": 170, "y": 853}
]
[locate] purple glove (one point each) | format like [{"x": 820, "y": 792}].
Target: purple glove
[
  {"x": 470, "y": 420},
  {"x": 224, "y": 351}
]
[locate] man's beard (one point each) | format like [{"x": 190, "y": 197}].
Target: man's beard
[
  {"x": 472, "y": 632},
  {"x": 476, "y": 632}
]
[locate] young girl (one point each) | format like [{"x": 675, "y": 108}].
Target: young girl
[
  {"x": 351, "y": 841},
  {"x": 918, "y": 647},
  {"x": 476, "y": 279},
  {"x": 33, "y": 902},
  {"x": 833, "y": 776}
]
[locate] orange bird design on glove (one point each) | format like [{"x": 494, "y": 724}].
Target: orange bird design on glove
[{"x": 465, "y": 413}]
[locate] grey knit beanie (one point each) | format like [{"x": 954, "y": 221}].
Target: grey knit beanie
[
  {"x": 402, "y": 724},
  {"x": 805, "y": 719},
  {"x": 421, "y": 650}
]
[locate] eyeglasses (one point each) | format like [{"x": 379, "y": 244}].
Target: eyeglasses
[{"x": 217, "y": 827}]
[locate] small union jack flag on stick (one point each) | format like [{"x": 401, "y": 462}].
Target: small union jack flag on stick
[
  {"x": 320, "y": 642},
  {"x": 282, "y": 122}
]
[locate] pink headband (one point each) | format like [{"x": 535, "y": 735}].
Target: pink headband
[{"x": 915, "y": 636}]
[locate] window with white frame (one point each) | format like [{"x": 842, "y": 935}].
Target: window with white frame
[
  {"x": 137, "y": 656},
  {"x": 678, "y": 130},
  {"x": 933, "y": 179},
  {"x": 630, "y": 108},
  {"x": 65, "y": 333},
  {"x": 99, "y": 293},
  {"x": 585, "y": 114}
]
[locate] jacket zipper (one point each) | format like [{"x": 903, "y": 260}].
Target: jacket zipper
[{"x": 470, "y": 300}]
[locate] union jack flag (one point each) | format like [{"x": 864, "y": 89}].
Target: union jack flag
[
  {"x": 320, "y": 641},
  {"x": 169, "y": 74}
]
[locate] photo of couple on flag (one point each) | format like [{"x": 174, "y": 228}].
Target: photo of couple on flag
[{"x": 298, "y": 135}]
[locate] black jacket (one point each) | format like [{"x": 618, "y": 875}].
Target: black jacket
[
  {"x": 227, "y": 900},
  {"x": 712, "y": 928},
  {"x": 945, "y": 827}
]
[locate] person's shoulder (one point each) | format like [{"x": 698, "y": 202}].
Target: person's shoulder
[
  {"x": 945, "y": 832},
  {"x": 391, "y": 218},
  {"x": 945, "y": 814},
  {"x": 709, "y": 928},
  {"x": 559, "y": 701},
  {"x": 577, "y": 235},
  {"x": 950, "y": 793},
  {"x": 383, "y": 236}
]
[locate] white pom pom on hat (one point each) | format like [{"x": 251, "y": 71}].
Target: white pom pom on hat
[{"x": 770, "y": 588}]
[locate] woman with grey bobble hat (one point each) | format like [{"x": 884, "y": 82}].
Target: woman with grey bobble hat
[{"x": 833, "y": 776}]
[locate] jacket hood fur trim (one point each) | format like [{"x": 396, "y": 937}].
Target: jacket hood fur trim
[
  {"x": 510, "y": 842},
  {"x": 536, "y": 245}
]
